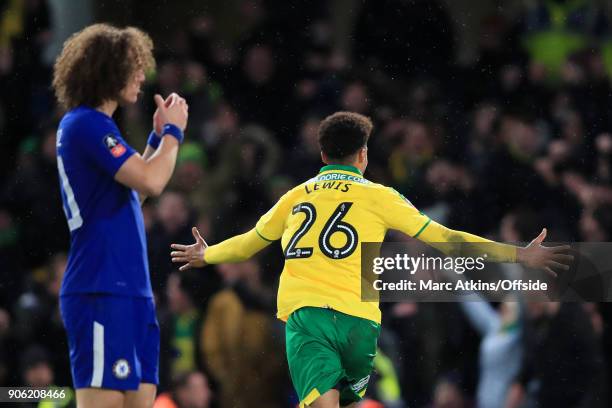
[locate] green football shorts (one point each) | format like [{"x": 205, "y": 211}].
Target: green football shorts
[{"x": 328, "y": 349}]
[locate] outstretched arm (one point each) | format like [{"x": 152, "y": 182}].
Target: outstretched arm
[
  {"x": 236, "y": 249},
  {"x": 398, "y": 213},
  {"x": 533, "y": 255},
  {"x": 459, "y": 243},
  {"x": 239, "y": 248}
]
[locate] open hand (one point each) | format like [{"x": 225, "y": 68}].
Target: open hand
[
  {"x": 191, "y": 255},
  {"x": 547, "y": 259}
]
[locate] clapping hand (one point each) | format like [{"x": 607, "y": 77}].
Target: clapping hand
[{"x": 173, "y": 110}]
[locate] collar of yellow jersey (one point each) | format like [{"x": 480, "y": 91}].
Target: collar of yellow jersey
[{"x": 332, "y": 167}]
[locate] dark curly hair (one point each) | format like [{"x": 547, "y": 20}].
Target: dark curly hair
[
  {"x": 97, "y": 63},
  {"x": 343, "y": 134}
]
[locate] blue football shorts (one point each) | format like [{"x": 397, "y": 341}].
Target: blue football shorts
[{"x": 113, "y": 340}]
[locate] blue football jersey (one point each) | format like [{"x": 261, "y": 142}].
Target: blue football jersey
[{"x": 108, "y": 252}]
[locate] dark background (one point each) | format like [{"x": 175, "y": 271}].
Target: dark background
[{"x": 492, "y": 117}]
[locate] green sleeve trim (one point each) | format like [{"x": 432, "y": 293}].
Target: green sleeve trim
[
  {"x": 422, "y": 228},
  {"x": 262, "y": 237}
]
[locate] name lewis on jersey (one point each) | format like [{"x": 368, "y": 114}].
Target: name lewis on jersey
[
  {"x": 116, "y": 148},
  {"x": 333, "y": 181},
  {"x": 328, "y": 185}
]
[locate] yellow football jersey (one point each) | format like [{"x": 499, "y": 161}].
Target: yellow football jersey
[{"x": 321, "y": 224}]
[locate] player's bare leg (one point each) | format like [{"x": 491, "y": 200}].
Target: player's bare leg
[
  {"x": 143, "y": 398},
  {"x": 331, "y": 399},
  {"x": 99, "y": 398}
]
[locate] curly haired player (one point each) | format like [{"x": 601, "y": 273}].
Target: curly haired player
[{"x": 106, "y": 299}]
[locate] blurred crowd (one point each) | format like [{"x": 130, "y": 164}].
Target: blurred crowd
[{"x": 518, "y": 139}]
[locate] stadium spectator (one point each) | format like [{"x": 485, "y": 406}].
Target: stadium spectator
[
  {"x": 181, "y": 326},
  {"x": 305, "y": 157},
  {"x": 37, "y": 320},
  {"x": 374, "y": 46},
  {"x": 500, "y": 348},
  {"x": 7, "y": 343},
  {"x": 355, "y": 98},
  {"x": 25, "y": 30},
  {"x": 550, "y": 378},
  {"x": 596, "y": 224},
  {"x": 181, "y": 319},
  {"x": 173, "y": 220},
  {"x": 12, "y": 262},
  {"x": 239, "y": 341},
  {"x": 410, "y": 158},
  {"x": 37, "y": 371},
  {"x": 260, "y": 91},
  {"x": 189, "y": 390},
  {"x": 553, "y": 30},
  {"x": 447, "y": 394},
  {"x": 33, "y": 199},
  {"x": 36, "y": 368}
]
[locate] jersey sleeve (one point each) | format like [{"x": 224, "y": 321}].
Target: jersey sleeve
[
  {"x": 101, "y": 141},
  {"x": 399, "y": 214},
  {"x": 460, "y": 243},
  {"x": 236, "y": 249},
  {"x": 272, "y": 224}
]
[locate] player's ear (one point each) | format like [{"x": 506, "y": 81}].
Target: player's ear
[
  {"x": 324, "y": 158},
  {"x": 363, "y": 154}
]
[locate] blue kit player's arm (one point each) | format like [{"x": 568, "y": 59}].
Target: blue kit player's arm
[
  {"x": 155, "y": 136},
  {"x": 158, "y": 126},
  {"x": 112, "y": 153},
  {"x": 149, "y": 176}
]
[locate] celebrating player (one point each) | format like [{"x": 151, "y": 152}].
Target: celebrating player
[
  {"x": 331, "y": 334},
  {"x": 106, "y": 299}
]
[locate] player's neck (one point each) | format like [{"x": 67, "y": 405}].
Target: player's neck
[
  {"x": 356, "y": 165},
  {"x": 108, "y": 107}
]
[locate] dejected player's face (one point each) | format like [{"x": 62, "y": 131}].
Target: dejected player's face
[{"x": 129, "y": 94}]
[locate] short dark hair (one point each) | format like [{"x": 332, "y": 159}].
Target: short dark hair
[
  {"x": 97, "y": 63},
  {"x": 343, "y": 134}
]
